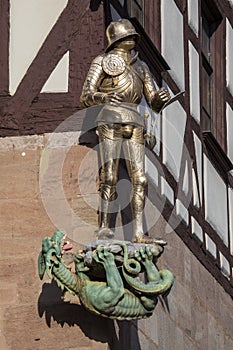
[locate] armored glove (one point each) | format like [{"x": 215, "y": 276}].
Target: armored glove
[
  {"x": 102, "y": 97},
  {"x": 160, "y": 98}
]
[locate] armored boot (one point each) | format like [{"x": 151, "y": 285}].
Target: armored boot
[
  {"x": 137, "y": 206},
  {"x": 107, "y": 196}
]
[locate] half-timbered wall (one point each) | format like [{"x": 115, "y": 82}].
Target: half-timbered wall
[
  {"x": 196, "y": 155},
  {"x": 30, "y": 23},
  {"x": 46, "y": 49},
  {"x": 50, "y": 48}
]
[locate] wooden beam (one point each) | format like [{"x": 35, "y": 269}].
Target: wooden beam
[
  {"x": 4, "y": 45},
  {"x": 55, "y": 46}
]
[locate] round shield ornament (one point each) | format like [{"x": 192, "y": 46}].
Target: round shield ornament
[{"x": 113, "y": 64}]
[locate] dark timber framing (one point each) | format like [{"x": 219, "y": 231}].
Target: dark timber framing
[{"x": 27, "y": 110}]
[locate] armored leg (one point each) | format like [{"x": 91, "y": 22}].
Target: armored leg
[
  {"x": 134, "y": 152},
  {"x": 110, "y": 147}
]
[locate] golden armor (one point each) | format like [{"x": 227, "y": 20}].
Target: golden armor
[
  {"x": 119, "y": 30},
  {"x": 118, "y": 80}
]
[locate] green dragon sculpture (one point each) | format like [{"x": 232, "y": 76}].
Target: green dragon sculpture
[{"x": 108, "y": 277}]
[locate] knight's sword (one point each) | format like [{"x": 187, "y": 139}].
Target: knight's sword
[{"x": 150, "y": 134}]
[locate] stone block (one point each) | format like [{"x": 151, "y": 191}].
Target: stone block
[
  {"x": 170, "y": 336},
  {"x": 68, "y": 171},
  {"x": 187, "y": 268},
  {"x": 143, "y": 343},
  {"x": 51, "y": 172},
  {"x": 8, "y": 294},
  {"x": 59, "y": 212},
  {"x": 225, "y": 318},
  {"x": 3, "y": 345},
  {"x": 83, "y": 234},
  {"x": 80, "y": 171},
  {"x": 22, "y": 218},
  {"x": 150, "y": 328},
  {"x": 228, "y": 343},
  {"x": 180, "y": 302},
  {"x": 215, "y": 334},
  {"x": 68, "y": 328},
  {"x": 19, "y": 174},
  {"x": 189, "y": 344},
  {"x": 85, "y": 209},
  {"x": 17, "y": 181},
  {"x": 199, "y": 323},
  {"x": 173, "y": 256},
  {"x": 204, "y": 286},
  {"x": 21, "y": 268},
  {"x": 6, "y": 158}
]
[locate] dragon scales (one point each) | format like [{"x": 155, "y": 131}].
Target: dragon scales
[{"x": 108, "y": 277}]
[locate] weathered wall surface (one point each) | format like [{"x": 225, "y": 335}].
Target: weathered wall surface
[{"x": 197, "y": 315}]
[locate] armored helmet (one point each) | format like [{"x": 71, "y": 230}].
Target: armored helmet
[{"x": 119, "y": 30}]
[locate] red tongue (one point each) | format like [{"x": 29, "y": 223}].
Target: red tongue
[{"x": 67, "y": 246}]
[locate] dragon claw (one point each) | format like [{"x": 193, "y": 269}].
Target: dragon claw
[
  {"x": 102, "y": 254},
  {"x": 142, "y": 253}
]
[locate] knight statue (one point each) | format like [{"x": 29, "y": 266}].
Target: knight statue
[
  {"x": 115, "y": 279},
  {"x": 118, "y": 80}
]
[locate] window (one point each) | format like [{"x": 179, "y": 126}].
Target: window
[
  {"x": 136, "y": 9},
  {"x": 207, "y": 72},
  {"x": 212, "y": 71}
]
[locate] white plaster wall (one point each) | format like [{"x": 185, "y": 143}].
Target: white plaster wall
[
  {"x": 173, "y": 40},
  {"x": 211, "y": 246},
  {"x": 229, "y": 56},
  {"x": 185, "y": 186},
  {"x": 167, "y": 191},
  {"x": 153, "y": 126},
  {"x": 229, "y": 115},
  {"x": 196, "y": 229},
  {"x": 225, "y": 266},
  {"x": 198, "y": 152},
  {"x": 193, "y": 15},
  {"x": 194, "y": 82},
  {"x": 30, "y": 23},
  {"x": 173, "y": 128},
  {"x": 182, "y": 212},
  {"x": 215, "y": 200},
  {"x": 151, "y": 171},
  {"x": 196, "y": 201},
  {"x": 230, "y": 195},
  {"x": 59, "y": 78},
  {"x": 156, "y": 131}
]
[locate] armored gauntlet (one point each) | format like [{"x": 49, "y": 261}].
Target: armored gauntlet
[{"x": 161, "y": 96}]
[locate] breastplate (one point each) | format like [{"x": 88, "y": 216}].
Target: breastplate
[{"x": 128, "y": 83}]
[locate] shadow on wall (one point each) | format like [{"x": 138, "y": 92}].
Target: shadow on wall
[{"x": 94, "y": 327}]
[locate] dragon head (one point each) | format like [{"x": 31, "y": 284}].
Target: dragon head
[{"x": 51, "y": 250}]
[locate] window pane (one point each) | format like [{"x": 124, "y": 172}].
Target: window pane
[
  {"x": 207, "y": 91},
  {"x": 136, "y": 9},
  {"x": 206, "y": 39}
]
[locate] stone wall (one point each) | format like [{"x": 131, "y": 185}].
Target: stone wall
[{"x": 197, "y": 315}]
